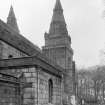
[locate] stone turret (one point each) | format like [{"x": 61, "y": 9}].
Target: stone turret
[{"x": 11, "y": 20}]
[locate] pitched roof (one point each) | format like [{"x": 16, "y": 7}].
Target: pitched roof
[{"x": 16, "y": 40}]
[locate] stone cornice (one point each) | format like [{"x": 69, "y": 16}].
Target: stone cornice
[
  {"x": 37, "y": 60},
  {"x": 50, "y": 36},
  {"x": 58, "y": 46}
]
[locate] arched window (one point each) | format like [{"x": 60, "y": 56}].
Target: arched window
[{"x": 50, "y": 90}]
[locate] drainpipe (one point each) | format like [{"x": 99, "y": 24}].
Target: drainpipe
[
  {"x": 37, "y": 83},
  {"x": 38, "y": 70}
]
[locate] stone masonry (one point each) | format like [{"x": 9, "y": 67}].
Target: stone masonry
[
  {"x": 46, "y": 76},
  {"x": 37, "y": 93}
]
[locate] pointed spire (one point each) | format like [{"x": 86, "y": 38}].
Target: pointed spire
[
  {"x": 58, "y": 5},
  {"x": 11, "y": 20},
  {"x": 58, "y": 24},
  {"x": 58, "y": 12}
]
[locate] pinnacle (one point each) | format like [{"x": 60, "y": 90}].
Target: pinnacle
[
  {"x": 11, "y": 11},
  {"x": 11, "y": 20},
  {"x": 58, "y": 5}
]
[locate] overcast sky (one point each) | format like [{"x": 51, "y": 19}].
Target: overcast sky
[{"x": 84, "y": 18}]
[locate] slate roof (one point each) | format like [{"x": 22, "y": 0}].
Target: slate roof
[{"x": 8, "y": 35}]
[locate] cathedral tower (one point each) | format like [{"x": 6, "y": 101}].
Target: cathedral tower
[
  {"x": 11, "y": 20},
  {"x": 58, "y": 46}
]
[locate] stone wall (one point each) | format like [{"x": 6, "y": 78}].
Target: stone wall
[
  {"x": 44, "y": 88},
  {"x": 9, "y": 90},
  {"x": 38, "y": 92},
  {"x": 56, "y": 40},
  {"x": 36, "y": 88},
  {"x": 7, "y": 51},
  {"x": 8, "y": 94}
]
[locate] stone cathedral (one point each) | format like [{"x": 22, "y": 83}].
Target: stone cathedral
[{"x": 33, "y": 76}]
